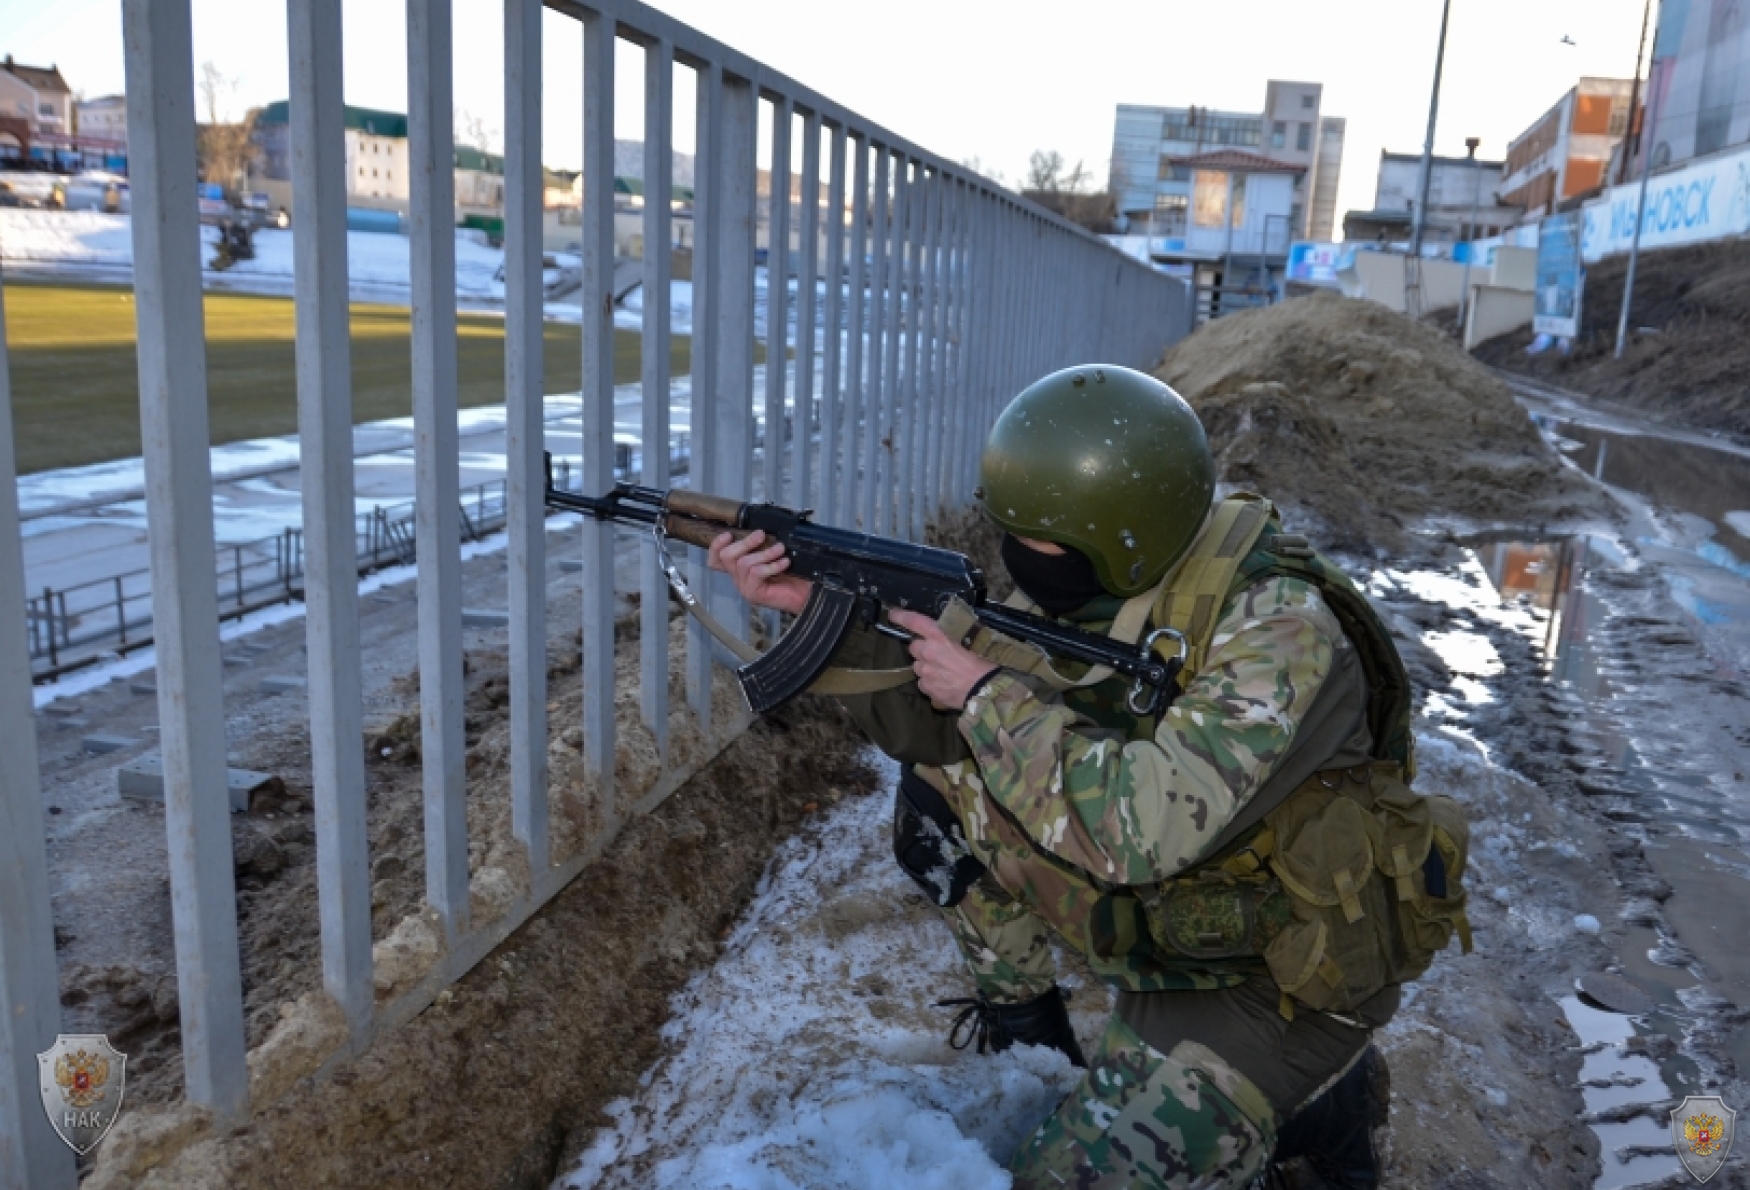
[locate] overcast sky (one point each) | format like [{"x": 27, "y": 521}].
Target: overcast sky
[{"x": 969, "y": 79}]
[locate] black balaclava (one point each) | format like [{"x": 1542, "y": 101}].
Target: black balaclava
[{"x": 1058, "y": 583}]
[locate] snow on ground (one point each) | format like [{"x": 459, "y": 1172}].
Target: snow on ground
[
  {"x": 811, "y": 1054},
  {"x": 66, "y": 237},
  {"x": 94, "y": 241},
  {"x": 629, "y": 314}
]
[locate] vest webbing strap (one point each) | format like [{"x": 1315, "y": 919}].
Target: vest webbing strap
[
  {"x": 1191, "y": 598},
  {"x": 1127, "y": 626}
]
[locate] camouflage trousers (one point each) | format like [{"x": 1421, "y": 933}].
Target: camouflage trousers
[{"x": 1141, "y": 1118}]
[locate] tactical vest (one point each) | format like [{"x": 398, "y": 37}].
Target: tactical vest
[{"x": 1351, "y": 881}]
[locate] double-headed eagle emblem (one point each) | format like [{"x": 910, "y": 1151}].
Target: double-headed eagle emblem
[
  {"x": 81, "y": 1075},
  {"x": 1701, "y": 1132}
]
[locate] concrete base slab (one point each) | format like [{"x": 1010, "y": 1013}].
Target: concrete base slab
[
  {"x": 143, "y": 780},
  {"x": 474, "y": 617},
  {"x": 100, "y": 743},
  {"x": 282, "y": 684}
]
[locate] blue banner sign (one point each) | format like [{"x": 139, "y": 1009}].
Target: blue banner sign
[
  {"x": 1560, "y": 276},
  {"x": 1705, "y": 200}
]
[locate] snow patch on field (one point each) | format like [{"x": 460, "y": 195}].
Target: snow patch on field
[
  {"x": 811, "y": 1054},
  {"x": 92, "y": 239}
]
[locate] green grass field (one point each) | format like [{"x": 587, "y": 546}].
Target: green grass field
[{"x": 75, "y": 383}]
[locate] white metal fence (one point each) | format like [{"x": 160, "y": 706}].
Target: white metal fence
[{"x": 926, "y": 297}]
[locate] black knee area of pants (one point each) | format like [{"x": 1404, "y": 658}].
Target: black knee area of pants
[
  {"x": 1333, "y": 1135},
  {"x": 930, "y": 844}
]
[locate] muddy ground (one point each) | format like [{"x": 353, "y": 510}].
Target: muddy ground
[{"x": 1689, "y": 348}]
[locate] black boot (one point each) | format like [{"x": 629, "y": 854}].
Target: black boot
[
  {"x": 1043, "y": 1020},
  {"x": 1328, "y": 1144}
]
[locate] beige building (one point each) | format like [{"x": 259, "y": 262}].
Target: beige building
[
  {"x": 376, "y": 164},
  {"x": 37, "y": 94},
  {"x": 1154, "y": 150},
  {"x": 104, "y": 118}
]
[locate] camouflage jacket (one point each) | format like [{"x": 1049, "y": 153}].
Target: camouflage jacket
[{"x": 1076, "y": 806}]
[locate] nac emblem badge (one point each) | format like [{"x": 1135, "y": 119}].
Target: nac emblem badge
[
  {"x": 1701, "y": 1131},
  {"x": 82, "y": 1077}
]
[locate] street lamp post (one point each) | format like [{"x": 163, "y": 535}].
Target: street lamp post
[
  {"x": 1646, "y": 144},
  {"x": 1470, "y": 247},
  {"x": 1428, "y": 142}
]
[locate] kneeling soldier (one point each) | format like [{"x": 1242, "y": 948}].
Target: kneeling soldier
[{"x": 1249, "y": 869}]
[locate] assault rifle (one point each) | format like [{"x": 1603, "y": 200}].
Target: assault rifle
[{"x": 854, "y": 576}]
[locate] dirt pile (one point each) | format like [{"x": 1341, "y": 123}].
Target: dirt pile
[
  {"x": 1364, "y": 422},
  {"x": 1686, "y": 361},
  {"x": 550, "y": 1027}
]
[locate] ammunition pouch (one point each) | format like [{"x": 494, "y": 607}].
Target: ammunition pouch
[{"x": 1353, "y": 883}]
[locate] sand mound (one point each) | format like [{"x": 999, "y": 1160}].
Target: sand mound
[{"x": 1363, "y": 422}]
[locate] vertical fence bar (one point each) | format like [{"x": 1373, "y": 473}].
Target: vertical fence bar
[
  {"x": 431, "y": 152},
  {"x": 31, "y": 1155},
  {"x": 778, "y": 298},
  {"x": 852, "y": 484},
  {"x": 832, "y": 392},
  {"x": 880, "y": 329},
  {"x": 947, "y": 465},
  {"x": 654, "y": 373},
  {"x": 893, "y": 349},
  {"x": 735, "y": 225},
  {"x": 969, "y": 379},
  {"x": 913, "y": 304},
  {"x": 598, "y": 402},
  {"x": 927, "y": 439},
  {"x": 331, "y": 626},
  {"x": 525, "y": 432},
  {"x": 930, "y": 408},
  {"x": 702, "y": 472},
  {"x": 808, "y": 268},
  {"x": 179, "y": 505},
  {"x": 947, "y": 260}
]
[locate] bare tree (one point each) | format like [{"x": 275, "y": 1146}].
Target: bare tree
[
  {"x": 475, "y": 131},
  {"x": 977, "y": 166},
  {"x": 224, "y": 148},
  {"x": 217, "y": 92},
  {"x": 1045, "y": 170}
]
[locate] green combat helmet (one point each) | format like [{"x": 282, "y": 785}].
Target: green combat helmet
[{"x": 1103, "y": 460}]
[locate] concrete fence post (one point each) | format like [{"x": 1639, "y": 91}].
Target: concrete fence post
[
  {"x": 179, "y": 493},
  {"x": 324, "y": 363}
]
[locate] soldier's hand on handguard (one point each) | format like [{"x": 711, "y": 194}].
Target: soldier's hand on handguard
[
  {"x": 759, "y": 573},
  {"x": 947, "y": 672}
]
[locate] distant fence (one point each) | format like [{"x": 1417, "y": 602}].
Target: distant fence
[
  {"x": 955, "y": 293},
  {"x": 71, "y": 627}
]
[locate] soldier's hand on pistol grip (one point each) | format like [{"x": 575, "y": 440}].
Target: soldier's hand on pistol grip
[
  {"x": 759, "y": 573},
  {"x": 947, "y": 672}
]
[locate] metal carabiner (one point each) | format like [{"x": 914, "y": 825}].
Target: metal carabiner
[
  {"x": 1142, "y": 701},
  {"x": 669, "y": 569}
]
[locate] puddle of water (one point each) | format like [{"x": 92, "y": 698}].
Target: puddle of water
[
  {"x": 1627, "y": 1078},
  {"x": 1710, "y": 482}
]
